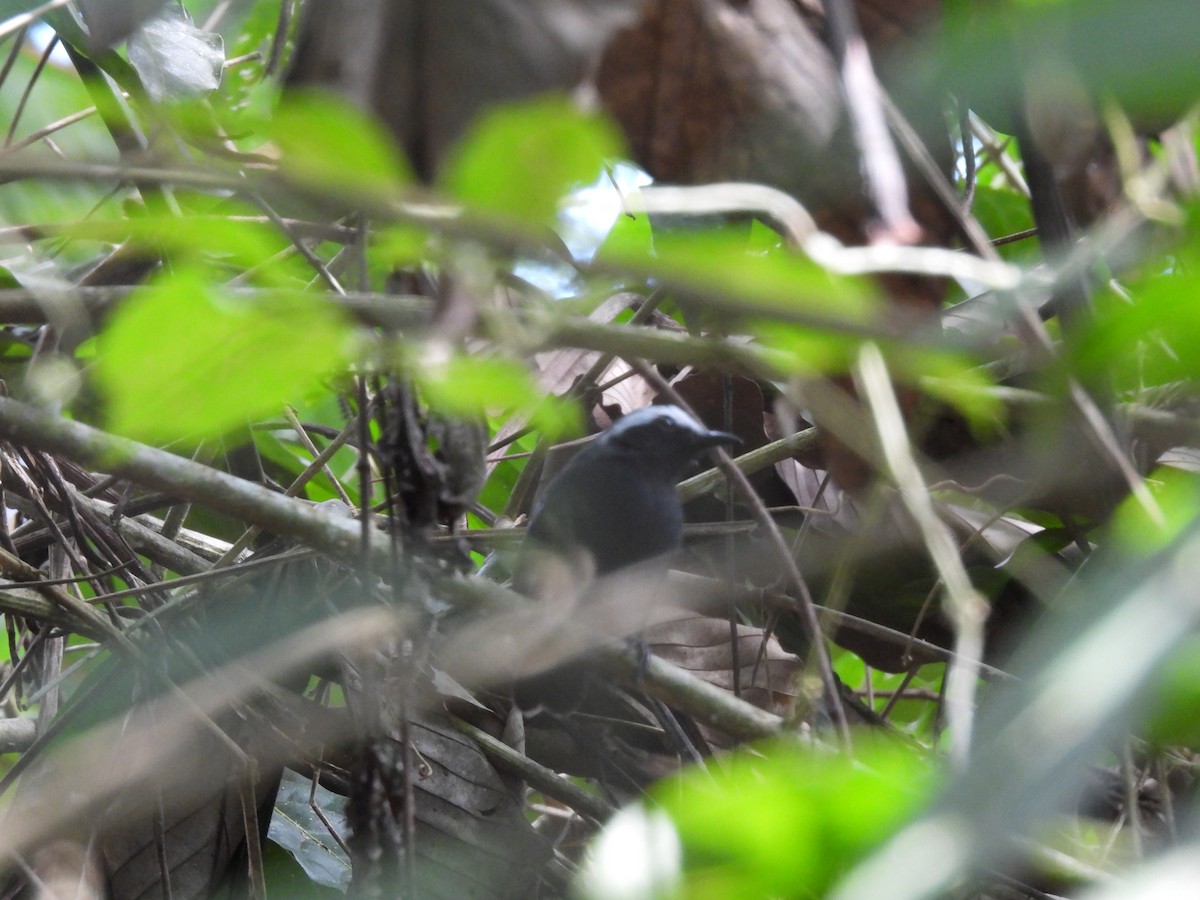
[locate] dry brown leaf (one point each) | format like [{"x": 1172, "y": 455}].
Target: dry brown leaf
[
  {"x": 701, "y": 645},
  {"x": 558, "y": 370}
]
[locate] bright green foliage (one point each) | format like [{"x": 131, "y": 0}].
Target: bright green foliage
[
  {"x": 1155, "y": 339},
  {"x": 292, "y": 458},
  {"x": 916, "y": 716},
  {"x": 1004, "y": 211},
  {"x": 953, "y": 378},
  {"x": 400, "y": 245},
  {"x": 1148, "y": 61},
  {"x": 808, "y": 351},
  {"x": 787, "y": 823},
  {"x": 54, "y": 202},
  {"x": 245, "y": 100},
  {"x": 180, "y": 361},
  {"x": 945, "y": 374},
  {"x": 631, "y": 237},
  {"x": 519, "y": 161},
  {"x": 218, "y": 240},
  {"x": 1177, "y": 495},
  {"x": 719, "y": 266},
  {"x": 468, "y": 385},
  {"x": 327, "y": 144},
  {"x": 1175, "y": 709}
]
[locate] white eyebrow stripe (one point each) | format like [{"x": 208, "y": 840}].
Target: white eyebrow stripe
[{"x": 648, "y": 414}]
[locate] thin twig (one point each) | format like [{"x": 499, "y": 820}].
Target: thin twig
[
  {"x": 16, "y": 23},
  {"x": 539, "y": 777},
  {"x": 882, "y": 173},
  {"x": 51, "y": 46},
  {"x": 335, "y": 535},
  {"x": 808, "y": 614},
  {"x": 966, "y": 607}
]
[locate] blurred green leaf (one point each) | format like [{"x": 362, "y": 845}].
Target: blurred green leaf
[
  {"x": 54, "y": 202},
  {"x": 328, "y": 145},
  {"x": 222, "y": 239},
  {"x": 956, "y": 380},
  {"x": 1004, "y": 211},
  {"x": 950, "y": 376},
  {"x": 849, "y": 667},
  {"x": 808, "y": 351},
  {"x": 467, "y": 385},
  {"x": 1177, "y": 494},
  {"x": 246, "y": 98},
  {"x": 1175, "y": 703},
  {"x": 1155, "y": 339},
  {"x": 787, "y": 822},
  {"x": 630, "y": 236},
  {"x": 462, "y": 385},
  {"x": 179, "y": 360},
  {"x": 1148, "y": 60},
  {"x": 518, "y": 161},
  {"x": 399, "y": 246},
  {"x": 720, "y": 266}
]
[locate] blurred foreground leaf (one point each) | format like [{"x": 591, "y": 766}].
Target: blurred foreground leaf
[
  {"x": 720, "y": 266},
  {"x": 519, "y": 161},
  {"x": 328, "y": 145},
  {"x": 462, "y": 385},
  {"x": 785, "y": 821},
  {"x": 178, "y": 360}
]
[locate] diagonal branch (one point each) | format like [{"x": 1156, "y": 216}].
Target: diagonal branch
[{"x": 335, "y": 535}]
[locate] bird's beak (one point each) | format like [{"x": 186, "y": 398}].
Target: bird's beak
[{"x": 719, "y": 438}]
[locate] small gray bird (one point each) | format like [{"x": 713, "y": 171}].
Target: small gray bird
[
  {"x": 612, "y": 506},
  {"x": 616, "y": 500}
]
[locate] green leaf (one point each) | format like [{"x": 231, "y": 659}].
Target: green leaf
[
  {"x": 720, "y": 270},
  {"x": 1175, "y": 703},
  {"x": 247, "y": 98},
  {"x": 849, "y": 667},
  {"x": 1155, "y": 339},
  {"x": 1177, "y": 494},
  {"x": 631, "y": 237},
  {"x": 328, "y": 145},
  {"x": 298, "y": 828},
  {"x": 1148, "y": 60},
  {"x": 955, "y": 379},
  {"x": 179, "y": 361},
  {"x": 950, "y": 376},
  {"x": 460, "y": 385},
  {"x": 785, "y": 821},
  {"x": 219, "y": 239},
  {"x": 399, "y": 246},
  {"x": 1004, "y": 211},
  {"x": 518, "y": 161},
  {"x": 807, "y": 352}
]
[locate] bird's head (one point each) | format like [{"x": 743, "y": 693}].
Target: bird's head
[{"x": 665, "y": 436}]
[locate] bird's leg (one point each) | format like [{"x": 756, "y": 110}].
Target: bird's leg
[
  {"x": 676, "y": 737},
  {"x": 639, "y": 647}
]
